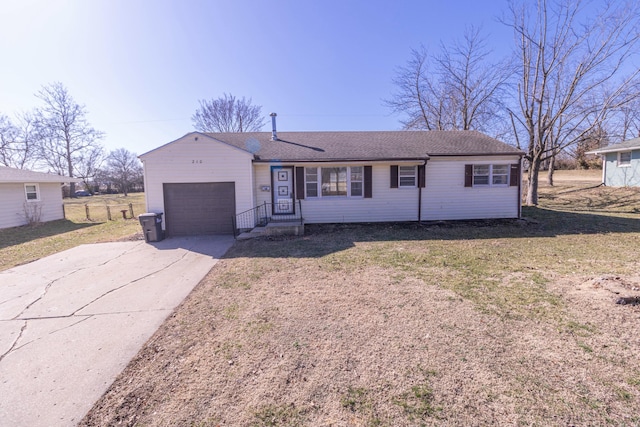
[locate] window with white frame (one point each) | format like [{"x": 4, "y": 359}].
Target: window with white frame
[
  {"x": 407, "y": 176},
  {"x": 500, "y": 174},
  {"x": 481, "y": 174},
  {"x": 337, "y": 181},
  {"x": 624, "y": 158},
  {"x": 32, "y": 192},
  {"x": 490, "y": 175},
  {"x": 311, "y": 179},
  {"x": 356, "y": 181}
]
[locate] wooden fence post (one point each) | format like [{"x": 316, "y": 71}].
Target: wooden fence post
[
  {"x": 108, "y": 213},
  {"x": 131, "y": 209},
  {"x": 86, "y": 211}
]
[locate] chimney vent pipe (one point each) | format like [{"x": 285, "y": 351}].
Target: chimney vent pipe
[{"x": 274, "y": 135}]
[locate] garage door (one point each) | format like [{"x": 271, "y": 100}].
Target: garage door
[{"x": 199, "y": 208}]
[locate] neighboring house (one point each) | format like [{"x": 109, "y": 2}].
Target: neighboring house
[
  {"x": 202, "y": 180},
  {"x": 620, "y": 164},
  {"x": 28, "y": 196}
]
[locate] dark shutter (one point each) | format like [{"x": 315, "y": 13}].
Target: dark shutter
[
  {"x": 514, "y": 175},
  {"x": 421, "y": 176},
  {"x": 299, "y": 183},
  {"x": 368, "y": 184},
  {"x": 394, "y": 176},
  {"x": 468, "y": 175}
]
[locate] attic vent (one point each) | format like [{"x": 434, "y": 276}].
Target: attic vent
[{"x": 274, "y": 135}]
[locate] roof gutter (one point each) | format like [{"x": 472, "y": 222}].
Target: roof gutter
[
  {"x": 612, "y": 150},
  {"x": 257, "y": 159}
]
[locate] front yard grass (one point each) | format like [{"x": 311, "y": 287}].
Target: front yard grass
[
  {"x": 464, "y": 323},
  {"x": 20, "y": 245}
]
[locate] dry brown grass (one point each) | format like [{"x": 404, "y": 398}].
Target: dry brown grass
[
  {"x": 20, "y": 245},
  {"x": 484, "y": 323}
]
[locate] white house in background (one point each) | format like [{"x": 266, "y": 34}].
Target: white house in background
[
  {"x": 201, "y": 181},
  {"x": 620, "y": 163},
  {"x": 26, "y": 196}
]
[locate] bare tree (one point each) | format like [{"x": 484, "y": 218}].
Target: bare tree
[
  {"x": 18, "y": 141},
  {"x": 624, "y": 123},
  {"x": 593, "y": 140},
  {"x": 570, "y": 74},
  {"x": 459, "y": 88},
  {"x": 228, "y": 114},
  {"x": 65, "y": 136},
  {"x": 124, "y": 169},
  {"x": 87, "y": 165},
  {"x": 7, "y": 138}
]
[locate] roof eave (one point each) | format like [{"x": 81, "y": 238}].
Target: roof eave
[
  {"x": 336, "y": 160},
  {"x": 612, "y": 150}
]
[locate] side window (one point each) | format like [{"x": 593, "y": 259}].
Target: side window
[
  {"x": 407, "y": 176},
  {"x": 624, "y": 159},
  {"x": 31, "y": 192},
  {"x": 480, "y": 175},
  {"x": 500, "y": 175},
  {"x": 356, "y": 180},
  {"x": 311, "y": 179}
]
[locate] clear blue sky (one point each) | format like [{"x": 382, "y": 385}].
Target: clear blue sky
[{"x": 140, "y": 66}]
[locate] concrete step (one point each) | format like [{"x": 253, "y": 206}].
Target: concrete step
[
  {"x": 284, "y": 229},
  {"x": 256, "y": 232},
  {"x": 274, "y": 229}
]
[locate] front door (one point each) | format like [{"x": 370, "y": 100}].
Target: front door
[{"x": 282, "y": 190}]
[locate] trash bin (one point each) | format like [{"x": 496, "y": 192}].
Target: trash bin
[{"x": 151, "y": 226}]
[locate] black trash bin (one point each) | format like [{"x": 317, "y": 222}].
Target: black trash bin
[{"x": 151, "y": 226}]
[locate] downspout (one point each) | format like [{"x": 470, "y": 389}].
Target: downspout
[
  {"x": 420, "y": 191},
  {"x": 521, "y": 171},
  {"x": 419, "y": 204}
]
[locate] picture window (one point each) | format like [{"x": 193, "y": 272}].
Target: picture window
[{"x": 339, "y": 181}]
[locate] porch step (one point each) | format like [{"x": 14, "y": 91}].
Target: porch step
[
  {"x": 274, "y": 229},
  {"x": 256, "y": 232},
  {"x": 284, "y": 229}
]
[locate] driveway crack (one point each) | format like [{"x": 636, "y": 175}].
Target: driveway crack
[
  {"x": 42, "y": 295},
  {"x": 14, "y": 348},
  {"x": 131, "y": 282},
  {"x": 48, "y": 285},
  {"x": 15, "y": 342}
]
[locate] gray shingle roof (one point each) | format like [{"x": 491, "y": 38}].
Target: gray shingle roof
[
  {"x": 372, "y": 145},
  {"x": 631, "y": 144},
  {"x": 21, "y": 175}
]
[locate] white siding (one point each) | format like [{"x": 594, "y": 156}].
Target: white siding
[
  {"x": 13, "y": 199},
  {"x": 446, "y": 198},
  {"x": 387, "y": 204},
  {"x": 188, "y": 160}
]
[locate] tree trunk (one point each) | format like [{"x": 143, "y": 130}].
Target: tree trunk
[
  {"x": 532, "y": 183},
  {"x": 72, "y": 185},
  {"x": 552, "y": 167}
]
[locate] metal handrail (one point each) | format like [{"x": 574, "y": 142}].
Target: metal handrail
[{"x": 261, "y": 215}]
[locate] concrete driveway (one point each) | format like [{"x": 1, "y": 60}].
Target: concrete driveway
[{"x": 70, "y": 323}]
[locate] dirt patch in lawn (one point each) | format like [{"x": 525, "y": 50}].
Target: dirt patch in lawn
[{"x": 367, "y": 326}]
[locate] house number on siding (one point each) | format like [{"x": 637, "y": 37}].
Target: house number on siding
[{"x": 196, "y": 162}]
